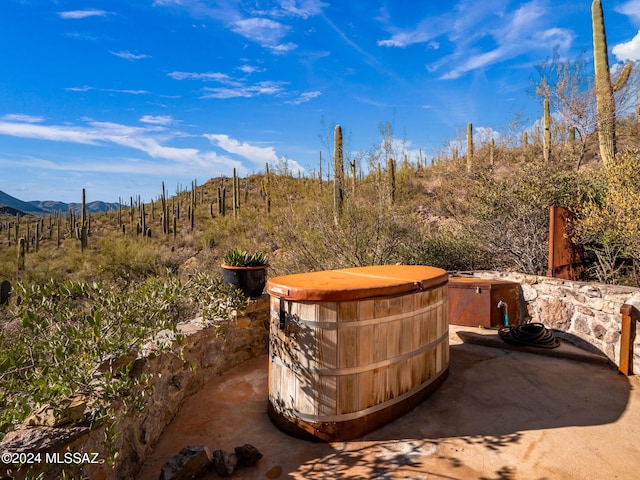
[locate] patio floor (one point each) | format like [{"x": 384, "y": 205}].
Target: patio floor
[{"x": 501, "y": 414}]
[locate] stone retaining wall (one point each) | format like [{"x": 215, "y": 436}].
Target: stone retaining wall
[
  {"x": 590, "y": 311},
  {"x": 205, "y": 353}
]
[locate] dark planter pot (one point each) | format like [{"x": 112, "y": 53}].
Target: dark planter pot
[{"x": 251, "y": 280}]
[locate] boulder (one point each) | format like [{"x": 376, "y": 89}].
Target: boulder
[{"x": 191, "y": 462}]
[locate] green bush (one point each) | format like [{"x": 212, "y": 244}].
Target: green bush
[
  {"x": 62, "y": 330},
  {"x": 126, "y": 259},
  {"x": 451, "y": 249},
  {"x": 609, "y": 223}
]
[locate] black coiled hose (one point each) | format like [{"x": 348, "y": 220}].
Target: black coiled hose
[{"x": 529, "y": 334}]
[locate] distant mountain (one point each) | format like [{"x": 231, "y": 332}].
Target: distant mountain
[
  {"x": 4, "y": 210},
  {"x": 50, "y": 206},
  {"x": 22, "y": 207}
]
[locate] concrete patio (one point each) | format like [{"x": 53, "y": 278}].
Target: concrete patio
[{"x": 501, "y": 414}]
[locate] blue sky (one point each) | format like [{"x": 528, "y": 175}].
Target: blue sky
[{"x": 116, "y": 96}]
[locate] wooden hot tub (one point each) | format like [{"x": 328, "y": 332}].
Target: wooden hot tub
[{"x": 352, "y": 349}]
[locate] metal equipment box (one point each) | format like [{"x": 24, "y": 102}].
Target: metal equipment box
[{"x": 481, "y": 302}]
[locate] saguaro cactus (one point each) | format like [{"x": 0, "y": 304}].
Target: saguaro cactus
[
  {"x": 352, "y": 164},
  {"x": 492, "y": 152},
  {"x": 83, "y": 225},
  {"x": 235, "y": 193},
  {"x": 165, "y": 211},
  {"x": 22, "y": 248},
  {"x": 320, "y": 164},
  {"x": 391, "y": 171},
  {"x": 547, "y": 131},
  {"x": 222, "y": 190},
  {"x": 469, "y": 146},
  {"x": 338, "y": 171},
  {"x": 605, "y": 103},
  {"x": 267, "y": 188},
  {"x": 175, "y": 228}
]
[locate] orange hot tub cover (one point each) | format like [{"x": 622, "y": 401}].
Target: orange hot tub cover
[{"x": 356, "y": 283}]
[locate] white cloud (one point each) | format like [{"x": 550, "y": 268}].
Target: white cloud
[
  {"x": 482, "y": 34},
  {"x": 282, "y": 48},
  {"x": 87, "y": 88},
  {"x": 475, "y": 62},
  {"x": 77, "y": 14},
  {"x": 264, "y": 31},
  {"x": 516, "y": 35},
  {"x": 232, "y": 87},
  {"x": 560, "y": 37},
  {"x": 104, "y": 133},
  {"x": 250, "y": 69},
  {"x": 157, "y": 119},
  {"x": 163, "y": 3},
  {"x": 522, "y": 20},
  {"x": 631, "y": 9},
  {"x": 253, "y": 23},
  {"x": 246, "y": 91},
  {"x": 21, "y": 117},
  {"x": 258, "y": 155},
  {"x": 206, "y": 77},
  {"x": 130, "y": 92},
  {"x": 305, "y": 97},
  {"x": 426, "y": 30},
  {"x": 127, "y": 55},
  {"x": 158, "y": 157},
  {"x": 294, "y": 8},
  {"x": 84, "y": 88},
  {"x": 483, "y": 135},
  {"x": 303, "y": 8},
  {"x": 42, "y": 132},
  {"x": 628, "y": 51}
]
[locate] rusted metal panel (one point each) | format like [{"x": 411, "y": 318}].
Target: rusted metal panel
[
  {"x": 475, "y": 302},
  {"x": 565, "y": 257},
  {"x": 627, "y": 337}
]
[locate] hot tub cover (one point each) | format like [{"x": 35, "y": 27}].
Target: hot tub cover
[{"x": 356, "y": 283}]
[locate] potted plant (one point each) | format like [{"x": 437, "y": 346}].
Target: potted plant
[{"x": 247, "y": 271}]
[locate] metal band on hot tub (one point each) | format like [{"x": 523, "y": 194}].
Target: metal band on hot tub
[
  {"x": 366, "y": 367},
  {"x": 362, "y": 323}
]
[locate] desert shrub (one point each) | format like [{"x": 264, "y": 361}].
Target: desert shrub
[
  {"x": 125, "y": 259},
  {"x": 370, "y": 231},
  {"x": 609, "y": 222},
  {"x": 66, "y": 262},
  {"x": 61, "y": 331},
  {"x": 509, "y": 216},
  {"x": 450, "y": 248}
]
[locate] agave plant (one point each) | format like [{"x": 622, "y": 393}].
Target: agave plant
[{"x": 241, "y": 258}]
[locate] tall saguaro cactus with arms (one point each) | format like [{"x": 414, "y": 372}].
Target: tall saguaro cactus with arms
[{"x": 605, "y": 102}]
